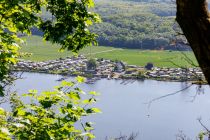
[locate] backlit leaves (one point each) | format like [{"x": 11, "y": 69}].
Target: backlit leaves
[
  {"x": 67, "y": 27},
  {"x": 80, "y": 79},
  {"x": 52, "y": 115}
]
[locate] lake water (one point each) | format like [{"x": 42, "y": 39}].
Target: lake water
[{"x": 124, "y": 109}]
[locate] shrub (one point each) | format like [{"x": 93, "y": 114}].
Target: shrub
[{"x": 50, "y": 114}]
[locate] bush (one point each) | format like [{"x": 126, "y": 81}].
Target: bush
[{"x": 50, "y": 115}]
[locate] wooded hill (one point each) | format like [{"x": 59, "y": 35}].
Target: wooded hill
[{"x": 132, "y": 24}]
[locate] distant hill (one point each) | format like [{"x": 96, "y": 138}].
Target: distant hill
[
  {"x": 134, "y": 24},
  {"x": 129, "y": 24}
]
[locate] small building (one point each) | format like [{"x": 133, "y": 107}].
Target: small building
[{"x": 119, "y": 67}]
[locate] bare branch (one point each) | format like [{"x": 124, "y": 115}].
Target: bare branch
[
  {"x": 167, "y": 95},
  {"x": 181, "y": 136},
  {"x": 199, "y": 120}
]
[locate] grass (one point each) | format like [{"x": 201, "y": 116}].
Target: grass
[
  {"x": 158, "y": 58},
  {"x": 46, "y": 51}
]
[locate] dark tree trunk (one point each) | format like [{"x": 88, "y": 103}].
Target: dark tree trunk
[{"x": 194, "y": 20}]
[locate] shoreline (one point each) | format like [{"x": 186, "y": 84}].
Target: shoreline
[
  {"x": 92, "y": 80},
  {"x": 74, "y": 66}
]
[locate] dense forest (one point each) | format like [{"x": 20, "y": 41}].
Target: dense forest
[{"x": 142, "y": 24}]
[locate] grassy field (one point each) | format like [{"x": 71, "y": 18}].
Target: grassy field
[
  {"x": 46, "y": 51},
  {"x": 43, "y": 50}
]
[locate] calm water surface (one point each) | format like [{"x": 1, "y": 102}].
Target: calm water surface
[{"x": 124, "y": 109}]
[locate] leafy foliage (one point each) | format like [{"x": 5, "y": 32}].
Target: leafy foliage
[
  {"x": 53, "y": 114},
  {"x": 68, "y": 26},
  {"x": 69, "y": 23}
]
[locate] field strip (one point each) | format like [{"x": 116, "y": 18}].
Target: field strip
[{"x": 105, "y": 51}]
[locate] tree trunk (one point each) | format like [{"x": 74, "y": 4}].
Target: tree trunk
[{"x": 194, "y": 20}]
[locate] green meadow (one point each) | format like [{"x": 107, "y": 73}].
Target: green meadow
[{"x": 43, "y": 50}]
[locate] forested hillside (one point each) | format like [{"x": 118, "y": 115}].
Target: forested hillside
[{"x": 133, "y": 24}]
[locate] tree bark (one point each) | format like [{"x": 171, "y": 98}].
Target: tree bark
[{"x": 194, "y": 20}]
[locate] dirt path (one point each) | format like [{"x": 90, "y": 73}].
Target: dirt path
[{"x": 104, "y": 51}]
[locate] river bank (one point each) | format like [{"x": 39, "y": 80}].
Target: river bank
[{"x": 73, "y": 66}]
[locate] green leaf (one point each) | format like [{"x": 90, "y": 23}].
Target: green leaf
[
  {"x": 80, "y": 79},
  {"x": 91, "y": 3},
  {"x": 2, "y": 112},
  {"x": 21, "y": 112},
  {"x": 89, "y": 101},
  {"x": 73, "y": 95},
  {"x": 96, "y": 110},
  {"x": 33, "y": 91},
  {"x": 94, "y": 93},
  {"x": 79, "y": 90},
  {"x": 69, "y": 84},
  {"x": 91, "y": 136},
  {"x": 93, "y": 110}
]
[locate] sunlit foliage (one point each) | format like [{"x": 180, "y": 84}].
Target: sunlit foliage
[
  {"x": 68, "y": 26},
  {"x": 55, "y": 115}
]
